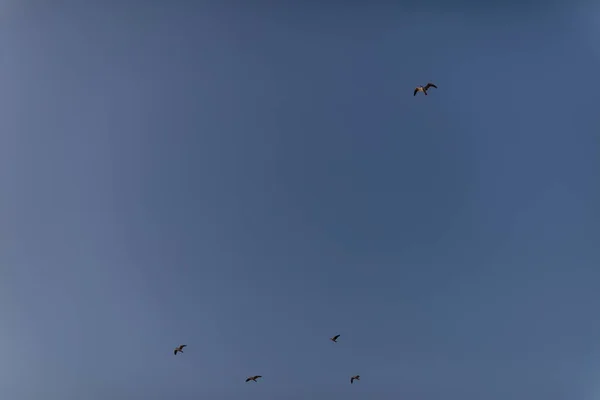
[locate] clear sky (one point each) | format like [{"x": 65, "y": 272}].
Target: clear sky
[{"x": 251, "y": 178}]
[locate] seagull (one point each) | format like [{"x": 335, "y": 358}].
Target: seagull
[
  {"x": 424, "y": 88},
  {"x": 253, "y": 378},
  {"x": 335, "y": 338},
  {"x": 355, "y": 378},
  {"x": 179, "y": 349}
]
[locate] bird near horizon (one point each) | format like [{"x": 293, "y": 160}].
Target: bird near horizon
[
  {"x": 253, "y": 378},
  {"x": 179, "y": 349},
  {"x": 424, "y": 88},
  {"x": 334, "y": 339},
  {"x": 355, "y": 378}
]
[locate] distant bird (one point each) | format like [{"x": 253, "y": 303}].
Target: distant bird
[
  {"x": 355, "y": 378},
  {"x": 179, "y": 349},
  {"x": 424, "y": 88},
  {"x": 253, "y": 378},
  {"x": 335, "y": 338}
]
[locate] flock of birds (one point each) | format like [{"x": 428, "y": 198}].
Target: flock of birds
[
  {"x": 334, "y": 339},
  {"x": 254, "y": 378}
]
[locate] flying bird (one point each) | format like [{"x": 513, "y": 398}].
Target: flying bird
[
  {"x": 355, "y": 378},
  {"x": 253, "y": 378},
  {"x": 179, "y": 349},
  {"x": 424, "y": 88},
  {"x": 335, "y": 338}
]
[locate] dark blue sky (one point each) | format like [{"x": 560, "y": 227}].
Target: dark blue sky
[{"x": 251, "y": 179}]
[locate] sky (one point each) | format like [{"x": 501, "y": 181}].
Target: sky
[{"x": 252, "y": 178}]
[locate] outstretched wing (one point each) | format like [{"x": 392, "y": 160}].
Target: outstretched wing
[
  {"x": 248, "y": 379},
  {"x": 258, "y": 376},
  {"x": 175, "y": 351},
  {"x": 430, "y": 85},
  {"x": 352, "y": 380},
  {"x": 416, "y": 90},
  {"x": 335, "y": 337},
  {"x": 182, "y": 346}
]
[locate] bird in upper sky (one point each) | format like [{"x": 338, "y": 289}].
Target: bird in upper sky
[
  {"x": 424, "y": 88},
  {"x": 355, "y": 378},
  {"x": 253, "y": 378},
  {"x": 335, "y": 338},
  {"x": 179, "y": 349}
]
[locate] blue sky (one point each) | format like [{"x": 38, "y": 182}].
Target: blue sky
[{"x": 251, "y": 179}]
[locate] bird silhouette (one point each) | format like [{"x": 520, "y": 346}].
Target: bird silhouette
[
  {"x": 253, "y": 378},
  {"x": 335, "y": 338},
  {"x": 179, "y": 349},
  {"x": 355, "y": 378},
  {"x": 424, "y": 88}
]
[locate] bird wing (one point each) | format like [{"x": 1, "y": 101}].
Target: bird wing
[
  {"x": 248, "y": 379},
  {"x": 182, "y": 346},
  {"x": 430, "y": 85},
  {"x": 352, "y": 380},
  {"x": 175, "y": 351},
  {"x": 416, "y": 90},
  {"x": 258, "y": 376},
  {"x": 335, "y": 337}
]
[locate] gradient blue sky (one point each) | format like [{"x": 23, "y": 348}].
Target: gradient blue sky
[{"x": 252, "y": 178}]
